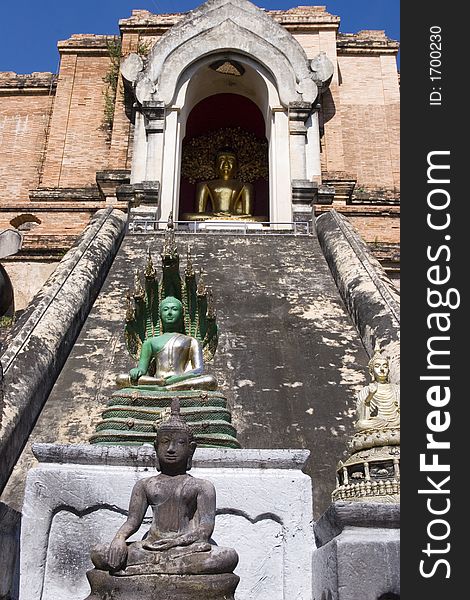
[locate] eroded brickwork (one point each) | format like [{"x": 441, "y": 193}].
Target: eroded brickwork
[
  {"x": 53, "y": 139},
  {"x": 26, "y": 102},
  {"x": 77, "y": 145},
  {"x": 369, "y": 98}
]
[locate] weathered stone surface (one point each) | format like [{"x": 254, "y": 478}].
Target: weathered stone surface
[
  {"x": 10, "y": 522},
  {"x": 163, "y": 587},
  {"x": 340, "y": 515},
  {"x": 131, "y": 66},
  {"x": 46, "y": 332},
  {"x": 57, "y": 194},
  {"x": 264, "y": 511},
  {"x": 358, "y": 553},
  {"x": 144, "y": 456},
  {"x": 289, "y": 359},
  {"x": 10, "y": 242},
  {"x": 323, "y": 70},
  {"x": 370, "y": 296},
  {"x": 108, "y": 181}
]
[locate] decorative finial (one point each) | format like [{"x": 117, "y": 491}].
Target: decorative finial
[
  {"x": 130, "y": 312},
  {"x": 210, "y": 304},
  {"x": 139, "y": 292},
  {"x": 189, "y": 271},
  {"x": 175, "y": 407},
  {"x": 169, "y": 244},
  {"x": 149, "y": 268},
  {"x": 176, "y": 422},
  {"x": 201, "y": 286}
]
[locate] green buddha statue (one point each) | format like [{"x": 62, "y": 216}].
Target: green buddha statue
[
  {"x": 177, "y": 358},
  {"x": 170, "y": 332},
  {"x": 227, "y": 196}
]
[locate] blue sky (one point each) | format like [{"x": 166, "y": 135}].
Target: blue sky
[{"x": 30, "y": 29}]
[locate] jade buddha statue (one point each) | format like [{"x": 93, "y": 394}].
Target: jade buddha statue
[
  {"x": 178, "y": 542},
  {"x": 176, "y": 358},
  {"x": 378, "y": 404},
  {"x": 225, "y": 197},
  {"x": 171, "y": 333}
]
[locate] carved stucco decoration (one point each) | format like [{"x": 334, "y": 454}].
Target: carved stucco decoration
[
  {"x": 249, "y": 31},
  {"x": 199, "y": 153}
]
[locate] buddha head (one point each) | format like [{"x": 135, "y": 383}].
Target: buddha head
[
  {"x": 174, "y": 443},
  {"x": 171, "y": 314},
  {"x": 226, "y": 163},
  {"x": 379, "y": 367}
]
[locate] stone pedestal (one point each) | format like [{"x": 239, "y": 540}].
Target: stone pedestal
[
  {"x": 162, "y": 587},
  {"x": 358, "y": 552},
  {"x": 110, "y": 180},
  {"x": 78, "y": 497},
  {"x": 304, "y": 194},
  {"x": 132, "y": 416}
]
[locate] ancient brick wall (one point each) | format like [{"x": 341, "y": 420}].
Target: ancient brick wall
[
  {"x": 77, "y": 144},
  {"x": 370, "y": 118},
  {"x": 25, "y": 106},
  {"x": 372, "y": 229},
  {"x": 58, "y": 228},
  {"x": 52, "y": 133}
]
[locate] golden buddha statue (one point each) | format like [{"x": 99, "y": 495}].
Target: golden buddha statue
[{"x": 229, "y": 198}]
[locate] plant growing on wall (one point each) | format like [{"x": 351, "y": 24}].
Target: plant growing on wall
[
  {"x": 111, "y": 79},
  {"x": 114, "y": 46}
]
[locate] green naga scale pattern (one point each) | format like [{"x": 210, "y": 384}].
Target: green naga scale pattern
[
  {"x": 133, "y": 414},
  {"x": 132, "y": 417},
  {"x": 142, "y": 317}
]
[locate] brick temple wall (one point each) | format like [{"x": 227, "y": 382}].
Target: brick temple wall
[
  {"x": 53, "y": 137},
  {"x": 370, "y": 119},
  {"x": 77, "y": 144},
  {"x": 26, "y": 102}
]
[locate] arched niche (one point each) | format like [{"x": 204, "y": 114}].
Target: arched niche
[
  {"x": 231, "y": 25},
  {"x": 219, "y": 111},
  {"x": 277, "y": 78},
  {"x": 25, "y": 222},
  {"x": 199, "y": 82}
]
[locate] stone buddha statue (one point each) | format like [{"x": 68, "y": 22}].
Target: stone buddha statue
[
  {"x": 176, "y": 358},
  {"x": 371, "y": 473},
  {"x": 227, "y": 196},
  {"x": 378, "y": 404},
  {"x": 176, "y": 555}
]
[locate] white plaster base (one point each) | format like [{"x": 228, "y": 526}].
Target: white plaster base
[
  {"x": 77, "y": 496},
  {"x": 221, "y": 225}
]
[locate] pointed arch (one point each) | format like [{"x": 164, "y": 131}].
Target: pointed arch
[{"x": 245, "y": 30}]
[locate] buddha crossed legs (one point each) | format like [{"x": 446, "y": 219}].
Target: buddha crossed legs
[{"x": 178, "y": 357}]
